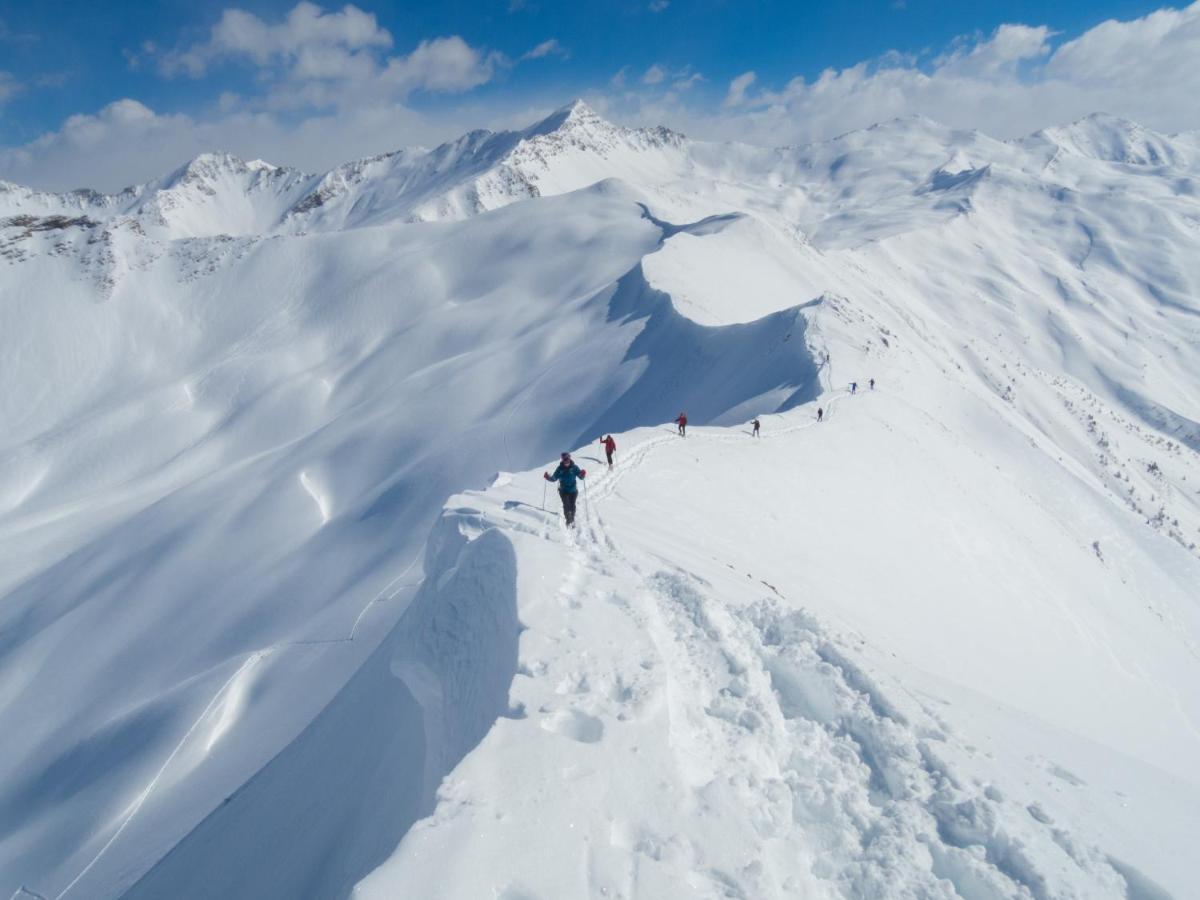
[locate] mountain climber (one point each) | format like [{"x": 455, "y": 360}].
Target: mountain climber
[
  {"x": 610, "y": 447},
  {"x": 853, "y": 387},
  {"x": 872, "y": 384},
  {"x": 682, "y": 422},
  {"x": 565, "y": 475},
  {"x": 756, "y": 425},
  {"x": 820, "y": 414}
]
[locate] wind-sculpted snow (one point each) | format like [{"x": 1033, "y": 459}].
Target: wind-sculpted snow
[
  {"x": 424, "y": 697},
  {"x": 233, "y": 401},
  {"x": 718, "y": 374},
  {"x": 212, "y": 493}
]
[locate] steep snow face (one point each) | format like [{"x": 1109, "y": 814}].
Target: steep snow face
[
  {"x": 220, "y": 194},
  {"x": 233, "y": 402}
]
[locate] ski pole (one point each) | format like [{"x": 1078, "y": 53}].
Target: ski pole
[
  {"x": 543, "y": 495},
  {"x": 587, "y": 516}
]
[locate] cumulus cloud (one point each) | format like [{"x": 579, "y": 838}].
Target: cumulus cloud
[
  {"x": 307, "y": 31},
  {"x": 1009, "y": 83},
  {"x": 442, "y": 64},
  {"x": 318, "y": 58},
  {"x": 998, "y": 56}
]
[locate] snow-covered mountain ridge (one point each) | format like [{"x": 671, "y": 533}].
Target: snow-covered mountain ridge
[
  {"x": 234, "y": 401},
  {"x": 699, "y": 708}
]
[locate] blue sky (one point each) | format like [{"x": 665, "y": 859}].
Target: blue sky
[{"x": 102, "y": 93}]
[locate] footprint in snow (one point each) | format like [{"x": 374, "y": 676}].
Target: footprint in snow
[{"x": 574, "y": 724}]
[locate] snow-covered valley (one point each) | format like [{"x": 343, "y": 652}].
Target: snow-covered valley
[{"x": 944, "y": 643}]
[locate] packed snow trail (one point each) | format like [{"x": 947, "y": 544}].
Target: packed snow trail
[{"x": 686, "y": 724}]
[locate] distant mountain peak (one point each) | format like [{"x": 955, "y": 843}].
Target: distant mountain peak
[
  {"x": 1109, "y": 138},
  {"x": 576, "y": 114},
  {"x": 207, "y": 166}
]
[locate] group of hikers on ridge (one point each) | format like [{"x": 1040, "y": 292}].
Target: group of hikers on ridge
[{"x": 568, "y": 474}]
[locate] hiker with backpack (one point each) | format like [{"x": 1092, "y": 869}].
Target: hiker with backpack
[
  {"x": 820, "y": 414},
  {"x": 681, "y": 421},
  {"x": 756, "y": 424},
  {"x": 566, "y": 475},
  {"x": 610, "y": 447}
]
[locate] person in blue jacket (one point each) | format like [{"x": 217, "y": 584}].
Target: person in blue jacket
[{"x": 566, "y": 475}]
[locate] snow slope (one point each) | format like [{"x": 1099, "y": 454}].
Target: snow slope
[
  {"x": 820, "y": 664},
  {"x": 235, "y": 400},
  {"x": 205, "y": 493}
]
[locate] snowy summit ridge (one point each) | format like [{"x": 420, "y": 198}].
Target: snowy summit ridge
[{"x": 282, "y": 589}]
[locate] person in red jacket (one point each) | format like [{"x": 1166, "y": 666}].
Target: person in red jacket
[
  {"x": 610, "y": 447},
  {"x": 682, "y": 422}
]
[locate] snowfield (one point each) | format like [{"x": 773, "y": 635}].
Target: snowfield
[
  {"x": 837, "y": 680},
  {"x": 944, "y": 643}
]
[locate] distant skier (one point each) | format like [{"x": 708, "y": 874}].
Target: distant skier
[
  {"x": 610, "y": 447},
  {"x": 820, "y": 414},
  {"x": 566, "y": 474},
  {"x": 853, "y": 387},
  {"x": 872, "y": 384},
  {"x": 756, "y": 425},
  {"x": 682, "y": 423}
]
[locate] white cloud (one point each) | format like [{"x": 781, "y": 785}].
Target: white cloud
[
  {"x": 547, "y": 48},
  {"x": 1000, "y": 55},
  {"x": 661, "y": 78},
  {"x": 306, "y": 31},
  {"x": 127, "y": 143},
  {"x": 1147, "y": 53},
  {"x": 442, "y": 64},
  {"x": 656, "y": 74},
  {"x": 738, "y": 88},
  {"x": 319, "y": 59},
  {"x": 1006, "y": 84},
  {"x": 659, "y": 5}
]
